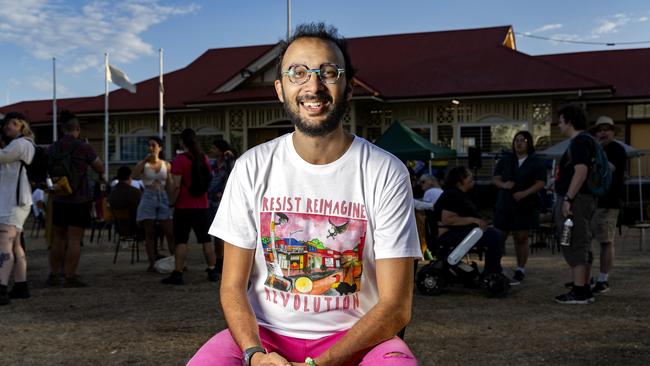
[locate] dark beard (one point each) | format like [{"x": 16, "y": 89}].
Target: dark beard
[{"x": 330, "y": 124}]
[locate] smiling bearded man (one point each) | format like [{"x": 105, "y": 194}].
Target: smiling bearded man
[{"x": 330, "y": 269}]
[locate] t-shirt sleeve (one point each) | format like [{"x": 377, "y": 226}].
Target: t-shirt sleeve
[
  {"x": 396, "y": 235},
  {"x": 580, "y": 152},
  {"x": 235, "y": 219}
]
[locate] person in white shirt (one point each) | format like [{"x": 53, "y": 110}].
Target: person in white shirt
[
  {"x": 432, "y": 192},
  {"x": 15, "y": 203},
  {"x": 38, "y": 202},
  {"x": 321, "y": 222}
]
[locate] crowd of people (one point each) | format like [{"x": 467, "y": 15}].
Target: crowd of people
[
  {"x": 286, "y": 237},
  {"x": 162, "y": 203},
  {"x": 520, "y": 177}
]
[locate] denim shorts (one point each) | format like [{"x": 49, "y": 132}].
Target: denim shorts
[{"x": 154, "y": 206}]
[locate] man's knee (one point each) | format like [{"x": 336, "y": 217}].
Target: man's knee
[{"x": 391, "y": 352}]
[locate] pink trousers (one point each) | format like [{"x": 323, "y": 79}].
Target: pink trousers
[{"x": 222, "y": 350}]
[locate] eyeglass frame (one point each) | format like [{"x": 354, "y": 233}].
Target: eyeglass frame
[{"x": 309, "y": 71}]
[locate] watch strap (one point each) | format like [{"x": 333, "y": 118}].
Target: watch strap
[{"x": 250, "y": 351}]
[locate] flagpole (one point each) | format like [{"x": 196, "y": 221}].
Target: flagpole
[
  {"x": 288, "y": 19},
  {"x": 160, "y": 97},
  {"x": 106, "y": 177},
  {"x": 54, "y": 112}
]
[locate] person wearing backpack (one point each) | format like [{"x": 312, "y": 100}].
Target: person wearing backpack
[
  {"x": 15, "y": 204},
  {"x": 71, "y": 157},
  {"x": 191, "y": 177},
  {"x": 606, "y": 216},
  {"x": 576, "y": 201}
]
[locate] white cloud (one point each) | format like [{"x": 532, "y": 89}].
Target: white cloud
[
  {"x": 545, "y": 28},
  {"x": 642, "y": 19},
  {"x": 611, "y": 24},
  {"x": 44, "y": 85},
  {"x": 53, "y": 28}
]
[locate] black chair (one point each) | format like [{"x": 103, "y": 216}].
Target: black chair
[{"x": 127, "y": 232}]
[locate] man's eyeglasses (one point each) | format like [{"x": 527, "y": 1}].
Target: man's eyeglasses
[{"x": 300, "y": 74}]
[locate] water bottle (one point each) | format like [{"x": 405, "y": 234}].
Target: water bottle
[
  {"x": 49, "y": 183},
  {"x": 565, "y": 240}
]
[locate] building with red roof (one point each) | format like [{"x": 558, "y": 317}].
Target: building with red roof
[{"x": 458, "y": 88}]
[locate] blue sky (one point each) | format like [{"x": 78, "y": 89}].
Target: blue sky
[{"x": 78, "y": 32}]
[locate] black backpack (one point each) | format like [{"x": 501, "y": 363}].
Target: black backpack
[
  {"x": 201, "y": 176},
  {"x": 59, "y": 164},
  {"x": 37, "y": 169}
]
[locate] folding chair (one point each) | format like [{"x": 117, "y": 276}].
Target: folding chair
[{"x": 126, "y": 231}]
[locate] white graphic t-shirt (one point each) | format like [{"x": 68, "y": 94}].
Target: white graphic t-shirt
[{"x": 317, "y": 231}]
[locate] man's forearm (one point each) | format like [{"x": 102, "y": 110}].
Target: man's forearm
[
  {"x": 577, "y": 180},
  {"x": 391, "y": 313},
  {"x": 381, "y": 323},
  {"x": 240, "y": 318}
]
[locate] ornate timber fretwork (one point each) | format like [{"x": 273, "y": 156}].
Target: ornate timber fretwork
[
  {"x": 263, "y": 116},
  {"x": 541, "y": 112},
  {"x": 375, "y": 117},
  {"x": 125, "y": 124},
  {"x": 445, "y": 114},
  {"x": 236, "y": 118},
  {"x": 214, "y": 119}
]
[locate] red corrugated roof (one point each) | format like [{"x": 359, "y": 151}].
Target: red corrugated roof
[
  {"x": 456, "y": 63},
  {"x": 628, "y": 70},
  {"x": 40, "y": 111},
  {"x": 404, "y": 66}
]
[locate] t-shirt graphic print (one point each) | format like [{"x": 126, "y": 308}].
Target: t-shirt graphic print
[{"x": 313, "y": 254}]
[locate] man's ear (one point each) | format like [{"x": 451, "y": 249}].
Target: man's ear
[{"x": 278, "y": 90}]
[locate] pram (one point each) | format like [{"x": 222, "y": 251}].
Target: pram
[{"x": 445, "y": 270}]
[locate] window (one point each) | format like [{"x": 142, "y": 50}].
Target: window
[
  {"x": 493, "y": 138},
  {"x": 638, "y": 111},
  {"x": 133, "y": 148}
]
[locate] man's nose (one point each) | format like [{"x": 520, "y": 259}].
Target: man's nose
[{"x": 314, "y": 82}]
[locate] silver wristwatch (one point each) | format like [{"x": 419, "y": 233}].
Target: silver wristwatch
[{"x": 249, "y": 352}]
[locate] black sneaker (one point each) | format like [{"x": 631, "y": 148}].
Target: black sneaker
[
  {"x": 519, "y": 276},
  {"x": 19, "y": 291},
  {"x": 213, "y": 274},
  {"x": 600, "y": 287},
  {"x": 53, "y": 280},
  {"x": 572, "y": 297},
  {"x": 4, "y": 296},
  {"x": 73, "y": 282},
  {"x": 569, "y": 285},
  {"x": 176, "y": 278}
]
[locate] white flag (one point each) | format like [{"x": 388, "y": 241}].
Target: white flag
[{"x": 119, "y": 78}]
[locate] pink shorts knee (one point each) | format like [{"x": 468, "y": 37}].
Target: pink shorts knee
[{"x": 223, "y": 350}]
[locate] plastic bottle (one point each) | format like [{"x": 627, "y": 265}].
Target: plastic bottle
[
  {"x": 49, "y": 183},
  {"x": 565, "y": 240}
]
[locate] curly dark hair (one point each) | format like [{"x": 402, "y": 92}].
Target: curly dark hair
[
  {"x": 320, "y": 31},
  {"x": 455, "y": 176}
]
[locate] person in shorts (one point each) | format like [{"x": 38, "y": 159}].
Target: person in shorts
[
  {"x": 576, "y": 201},
  {"x": 191, "y": 212},
  {"x": 606, "y": 216},
  {"x": 519, "y": 176},
  {"x": 71, "y": 213},
  {"x": 155, "y": 174}
]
